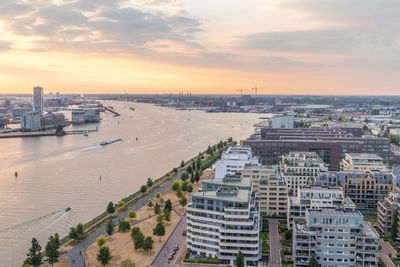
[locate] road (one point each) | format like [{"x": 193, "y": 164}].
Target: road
[
  {"x": 176, "y": 239},
  {"x": 386, "y": 250},
  {"x": 75, "y": 255},
  {"x": 275, "y": 246}
]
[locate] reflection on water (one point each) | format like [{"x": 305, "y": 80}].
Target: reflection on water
[{"x": 57, "y": 172}]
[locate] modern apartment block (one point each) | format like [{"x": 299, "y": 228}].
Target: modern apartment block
[
  {"x": 366, "y": 189},
  {"x": 335, "y": 237},
  {"x": 330, "y": 144},
  {"x": 300, "y": 168},
  {"x": 316, "y": 197},
  {"x": 362, "y": 162},
  {"x": 222, "y": 222},
  {"x": 233, "y": 160},
  {"x": 270, "y": 188},
  {"x": 387, "y": 211}
]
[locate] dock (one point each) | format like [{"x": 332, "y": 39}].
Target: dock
[{"x": 41, "y": 133}]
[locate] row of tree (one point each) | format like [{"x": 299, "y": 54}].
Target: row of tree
[{"x": 35, "y": 255}]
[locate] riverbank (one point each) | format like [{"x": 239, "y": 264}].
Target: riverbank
[{"x": 96, "y": 227}]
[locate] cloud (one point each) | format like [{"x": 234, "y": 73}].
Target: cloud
[
  {"x": 102, "y": 25},
  {"x": 4, "y": 45}
]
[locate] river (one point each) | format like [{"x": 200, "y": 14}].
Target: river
[{"x": 57, "y": 172}]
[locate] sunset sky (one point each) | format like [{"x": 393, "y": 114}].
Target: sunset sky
[{"x": 203, "y": 46}]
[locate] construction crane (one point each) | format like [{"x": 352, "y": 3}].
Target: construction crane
[{"x": 241, "y": 94}]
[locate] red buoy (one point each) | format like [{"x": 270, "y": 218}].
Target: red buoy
[
  {"x": 16, "y": 174},
  {"x": 137, "y": 138}
]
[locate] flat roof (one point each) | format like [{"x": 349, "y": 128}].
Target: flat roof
[
  {"x": 241, "y": 196},
  {"x": 244, "y": 182},
  {"x": 364, "y": 156},
  {"x": 334, "y": 212}
]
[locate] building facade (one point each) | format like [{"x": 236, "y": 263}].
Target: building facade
[
  {"x": 31, "y": 121},
  {"x": 233, "y": 160},
  {"x": 38, "y": 100},
  {"x": 335, "y": 237},
  {"x": 316, "y": 197},
  {"x": 300, "y": 169},
  {"x": 270, "y": 188},
  {"x": 387, "y": 211},
  {"x": 223, "y": 222},
  {"x": 282, "y": 122},
  {"x": 362, "y": 162}
]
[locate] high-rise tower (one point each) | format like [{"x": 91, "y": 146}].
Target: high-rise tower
[{"x": 38, "y": 99}]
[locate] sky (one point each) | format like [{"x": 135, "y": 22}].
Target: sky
[{"x": 330, "y": 47}]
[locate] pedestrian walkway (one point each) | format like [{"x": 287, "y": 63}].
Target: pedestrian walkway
[
  {"x": 385, "y": 251},
  {"x": 275, "y": 246}
]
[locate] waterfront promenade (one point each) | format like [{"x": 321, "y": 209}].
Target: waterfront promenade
[{"x": 75, "y": 255}]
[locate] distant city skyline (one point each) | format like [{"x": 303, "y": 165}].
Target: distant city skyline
[{"x": 205, "y": 47}]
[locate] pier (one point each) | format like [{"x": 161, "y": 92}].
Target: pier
[{"x": 42, "y": 133}]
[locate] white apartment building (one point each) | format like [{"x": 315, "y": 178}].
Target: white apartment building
[
  {"x": 223, "y": 222},
  {"x": 233, "y": 160},
  {"x": 300, "y": 169},
  {"x": 316, "y": 197},
  {"x": 335, "y": 237},
  {"x": 282, "y": 122},
  {"x": 362, "y": 162},
  {"x": 31, "y": 121}
]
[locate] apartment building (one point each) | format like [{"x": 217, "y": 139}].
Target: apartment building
[
  {"x": 330, "y": 144},
  {"x": 269, "y": 187},
  {"x": 362, "y": 162},
  {"x": 300, "y": 169},
  {"x": 233, "y": 160},
  {"x": 222, "y": 222},
  {"x": 366, "y": 189},
  {"x": 387, "y": 211},
  {"x": 335, "y": 237},
  {"x": 316, "y": 197}
]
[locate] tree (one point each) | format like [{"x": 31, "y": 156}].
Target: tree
[
  {"x": 150, "y": 204},
  {"x": 104, "y": 255},
  {"x": 198, "y": 164},
  {"x": 184, "y": 186},
  {"x": 60, "y": 131},
  {"x": 57, "y": 240},
  {"x": 157, "y": 209},
  {"x": 135, "y": 231},
  {"x": 182, "y": 164},
  {"x": 189, "y": 169},
  {"x": 148, "y": 244},
  {"x": 197, "y": 176},
  {"x": 190, "y": 188},
  {"x": 101, "y": 241},
  {"x": 127, "y": 263},
  {"x": 34, "y": 257},
  {"x": 239, "y": 259},
  {"x": 313, "y": 262},
  {"x": 110, "y": 208},
  {"x": 52, "y": 252},
  {"x": 143, "y": 189},
  {"x": 183, "y": 201},
  {"x": 160, "y": 218},
  {"x": 158, "y": 195},
  {"x": 123, "y": 226},
  {"x": 175, "y": 170},
  {"x": 179, "y": 193},
  {"x": 184, "y": 176},
  {"x": 149, "y": 182},
  {"x": 79, "y": 230},
  {"x": 394, "y": 225},
  {"x": 159, "y": 230},
  {"x": 176, "y": 185},
  {"x": 168, "y": 205},
  {"x": 110, "y": 228},
  {"x": 192, "y": 180},
  {"x": 138, "y": 241},
  {"x": 167, "y": 215},
  {"x": 194, "y": 165},
  {"x": 73, "y": 233},
  {"x": 132, "y": 214}
]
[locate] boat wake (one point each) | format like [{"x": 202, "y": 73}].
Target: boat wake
[{"x": 46, "y": 218}]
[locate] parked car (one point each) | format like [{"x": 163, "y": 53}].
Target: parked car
[
  {"x": 171, "y": 256},
  {"x": 176, "y": 248},
  {"x": 184, "y": 233}
]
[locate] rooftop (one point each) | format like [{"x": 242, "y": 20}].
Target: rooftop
[
  {"x": 364, "y": 156},
  {"x": 334, "y": 212},
  {"x": 226, "y": 194}
]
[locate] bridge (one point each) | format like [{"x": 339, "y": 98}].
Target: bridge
[{"x": 80, "y": 131}]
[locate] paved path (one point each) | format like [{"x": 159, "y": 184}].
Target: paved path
[
  {"x": 385, "y": 251},
  {"x": 75, "y": 255},
  {"x": 275, "y": 246},
  {"x": 176, "y": 238}
]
